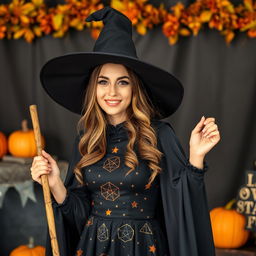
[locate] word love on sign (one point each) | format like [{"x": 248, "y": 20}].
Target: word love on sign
[{"x": 246, "y": 200}]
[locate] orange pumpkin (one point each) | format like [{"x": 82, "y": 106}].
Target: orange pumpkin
[
  {"x": 29, "y": 250},
  {"x": 3, "y": 144},
  {"x": 228, "y": 227},
  {"x": 22, "y": 143}
]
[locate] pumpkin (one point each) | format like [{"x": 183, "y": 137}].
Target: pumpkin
[
  {"x": 3, "y": 144},
  {"x": 228, "y": 227},
  {"x": 29, "y": 250},
  {"x": 22, "y": 143}
]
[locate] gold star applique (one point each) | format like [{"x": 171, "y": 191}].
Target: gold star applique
[
  {"x": 134, "y": 204},
  {"x": 115, "y": 150},
  {"x": 148, "y": 186},
  {"x": 108, "y": 212},
  {"x": 79, "y": 252},
  {"x": 152, "y": 248}
]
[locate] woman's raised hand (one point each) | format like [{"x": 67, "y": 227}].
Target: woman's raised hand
[{"x": 45, "y": 164}]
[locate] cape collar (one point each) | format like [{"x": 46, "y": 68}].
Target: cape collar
[{"x": 116, "y": 129}]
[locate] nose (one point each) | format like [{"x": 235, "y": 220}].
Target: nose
[{"x": 112, "y": 89}]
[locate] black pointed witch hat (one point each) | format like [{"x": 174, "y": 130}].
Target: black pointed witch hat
[{"x": 65, "y": 77}]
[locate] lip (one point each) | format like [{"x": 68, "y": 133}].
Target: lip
[{"x": 108, "y": 102}]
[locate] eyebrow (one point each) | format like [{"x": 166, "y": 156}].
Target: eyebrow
[{"x": 121, "y": 77}]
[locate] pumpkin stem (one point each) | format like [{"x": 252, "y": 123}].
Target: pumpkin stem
[
  {"x": 24, "y": 125},
  {"x": 31, "y": 242},
  {"x": 229, "y": 205}
]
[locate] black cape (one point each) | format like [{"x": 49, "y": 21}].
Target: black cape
[{"x": 183, "y": 207}]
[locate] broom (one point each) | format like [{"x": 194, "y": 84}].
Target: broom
[{"x": 45, "y": 183}]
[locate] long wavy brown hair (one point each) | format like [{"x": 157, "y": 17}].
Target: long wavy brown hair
[{"x": 93, "y": 121}]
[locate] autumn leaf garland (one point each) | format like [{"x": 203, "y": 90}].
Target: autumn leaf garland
[{"x": 32, "y": 19}]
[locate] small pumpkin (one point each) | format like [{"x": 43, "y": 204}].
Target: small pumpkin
[
  {"x": 228, "y": 227},
  {"x": 22, "y": 143},
  {"x": 29, "y": 250},
  {"x": 3, "y": 144}
]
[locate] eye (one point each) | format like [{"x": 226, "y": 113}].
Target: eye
[
  {"x": 100, "y": 82},
  {"x": 124, "y": 82}
]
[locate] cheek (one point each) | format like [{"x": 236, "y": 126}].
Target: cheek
[
  {"x": 99, "y": 94},
  {"x": 128, "y": 94}
]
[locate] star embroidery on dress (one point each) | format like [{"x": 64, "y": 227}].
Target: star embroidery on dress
[
  {"x": 152, "y": 248},
  {"x": 108, "y": 212},
  {"x": 115, "y": 150},
  {"x": 148, "y": 186},
  {"x": 134, "y": 204},
  {"x": 79, "y": 252},
  {"x": 89, "y": 221}
]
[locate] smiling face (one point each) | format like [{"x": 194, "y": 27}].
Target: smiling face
[{"x": 114, "y": 91}]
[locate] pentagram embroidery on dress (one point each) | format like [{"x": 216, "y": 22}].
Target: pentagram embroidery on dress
[
  {"x": 122, "y": 219},
  {"x": 112, "y": 163}
]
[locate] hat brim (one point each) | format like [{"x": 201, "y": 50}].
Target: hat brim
[{"x": 65, "y": 78}]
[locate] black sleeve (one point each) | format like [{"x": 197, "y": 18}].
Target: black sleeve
[
  {"x": 184, "y": 198},
  {"x": 71, "y": 215}
]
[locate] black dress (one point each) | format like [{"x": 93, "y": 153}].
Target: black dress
[
  {"x": 117, "y": 215},
  {"x": 122, "y": 219}
]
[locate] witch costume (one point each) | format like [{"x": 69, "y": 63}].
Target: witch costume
[{"x": 113, "y": 214}]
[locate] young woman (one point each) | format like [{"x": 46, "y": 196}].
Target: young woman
[{"x": 129, "y": 189}]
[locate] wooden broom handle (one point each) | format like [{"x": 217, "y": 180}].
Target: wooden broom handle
[{"x": 45, "y": 184}]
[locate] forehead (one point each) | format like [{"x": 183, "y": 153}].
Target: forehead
[{"x": 113, "y": 69}]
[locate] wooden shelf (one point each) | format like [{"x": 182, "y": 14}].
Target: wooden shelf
[{"x": 244, "y": 251}]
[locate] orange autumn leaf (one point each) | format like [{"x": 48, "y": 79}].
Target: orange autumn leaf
[
  {"x": 117, "y": 4},
  {"x": 27, "y": 8},
  {"x": 184, "y": 32},
  {"x": 59, "y": 33},
  {"x": 249, "y": 26},
  {"x": 205, "y": 16},
  {"x": 24, "y": 19},
  {"x": 95, "y": 33},
  {"x": 195, "y": 27},
  {"x": 38, "y": 3},
  {"x": 173, "y": 39},
  {"x": 29, "y": 35},
  {"x": 18, "y": 34},
  {"x": 249, "y": 5},
  {"x": 63, "y": 8},
  {"x": 3, "y": 10},
  {"x": 57, "y": 21},
  {"x": 141, "y": 29},
  {"x": 177, "y": 9},
  {"x": 251, "y": 33},
  {"x": 2, "y": 31},
  {"x": 77, "y": 23},
  {"x": 37, "y": 30},
  {"x": 229, "y": 36}
]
